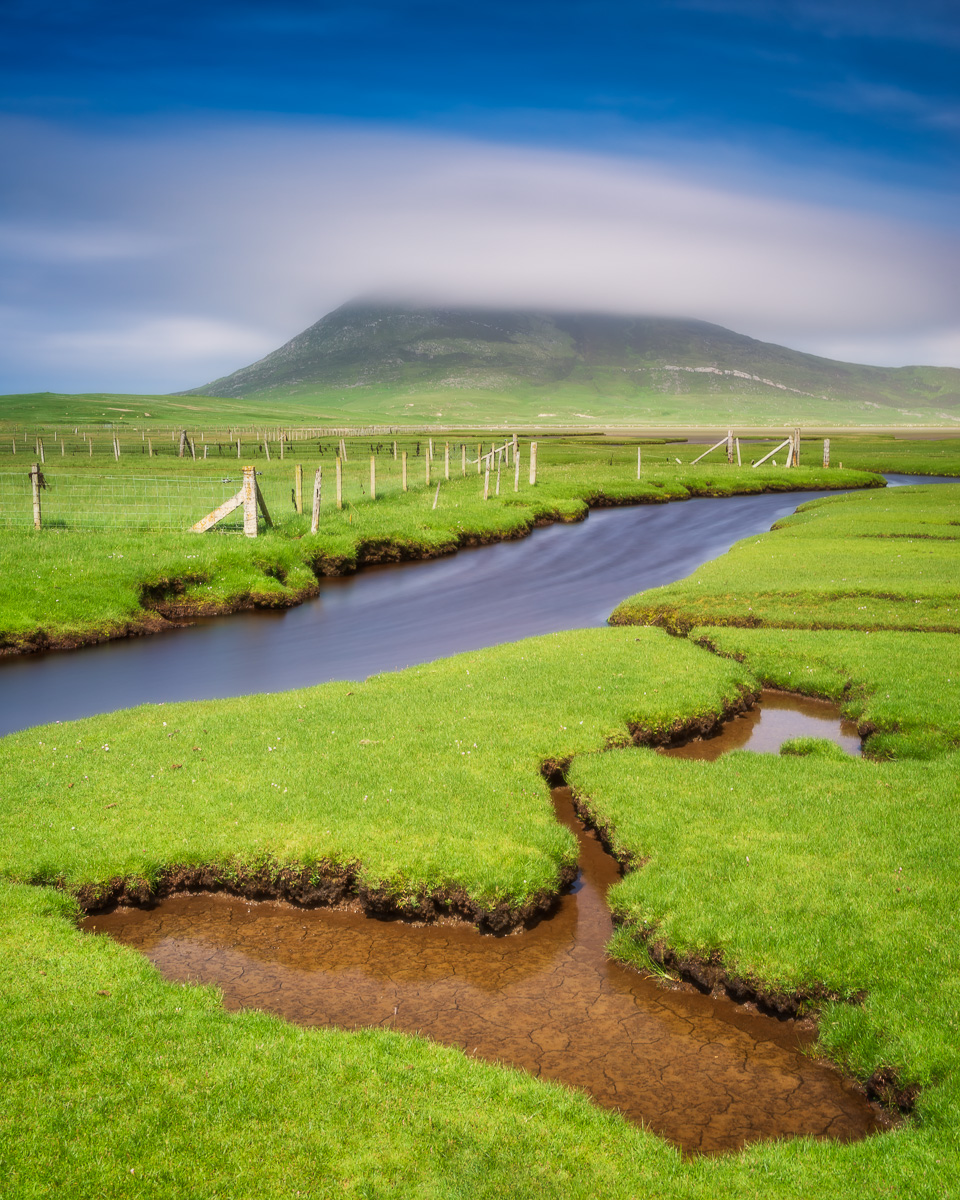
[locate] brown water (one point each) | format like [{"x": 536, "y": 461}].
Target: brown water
[
  {"x": 778, "y": 717},
  {"x": 705, "y": 1073}
]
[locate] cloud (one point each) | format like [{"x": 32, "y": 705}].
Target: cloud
[{"x": 161, "y": 260}]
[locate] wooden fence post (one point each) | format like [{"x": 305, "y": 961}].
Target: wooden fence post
[
  {"x": 426, "y": 467},
  {"x": 40, "y": 449},
  {"x": 730, "y": 446},
  {"x": 463, "y": 458},
  {"x": 238, "y": 447},
  {"x": 446, "y": 460},
  {"x": 486, "y": 484},
  {"x": 516, "y": 471},
  {"x": 298, "y": 488},
  {"x": 35, "y": 481},
  {"x": 739, "y": 463},
  {"x": 394, "y": 451},
  {"x": 340, "y": 480},
  {"x": 497, "y": 489},
  {"x": 183, "y": 444},
  {"x": 826, "y": 452},
  {"x": 533, "y": 463},
  {"x": 315, "y": 516},
  {"x": 479, "y": 455},
  {"x": 266, "y": 448},
  {"x": 249, "y": 502}
]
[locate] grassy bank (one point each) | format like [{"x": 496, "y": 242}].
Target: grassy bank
[
  {"x": 63, "y": 586},
  {"x": 882, "y": 560},
  {"x": 321, "y": 780}
]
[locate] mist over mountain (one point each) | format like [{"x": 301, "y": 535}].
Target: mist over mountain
[{"x": 407, "y": 349}]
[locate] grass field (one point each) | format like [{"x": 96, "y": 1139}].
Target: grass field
[
  {"x": 116, "y": 1083},
  {"x": 884, "y": 560}
]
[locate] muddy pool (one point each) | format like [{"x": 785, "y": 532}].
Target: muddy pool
[{"x": 705, "y": 1073}]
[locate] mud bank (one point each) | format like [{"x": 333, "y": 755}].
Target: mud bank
[{"x": 325, "y": 885}]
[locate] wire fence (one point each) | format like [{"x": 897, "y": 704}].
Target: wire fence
[{"x": 88, "y": 501}]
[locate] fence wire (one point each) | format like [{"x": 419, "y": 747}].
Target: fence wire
[{"x": 84, "y": 501}]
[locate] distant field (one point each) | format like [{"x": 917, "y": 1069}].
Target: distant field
[{"x": 577, "y": 406}]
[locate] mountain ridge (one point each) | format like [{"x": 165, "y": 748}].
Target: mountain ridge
[{"x": 396, "y": 347}]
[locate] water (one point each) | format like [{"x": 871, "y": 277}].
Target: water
[
  {"x": 703, "y": 1072},
  {"x": 386, "y": 618}
]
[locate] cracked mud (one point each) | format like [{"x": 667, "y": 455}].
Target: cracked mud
[{"x": 704, "y": 1073}]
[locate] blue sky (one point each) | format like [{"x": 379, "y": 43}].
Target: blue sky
[{"x": 187, "y": 185}]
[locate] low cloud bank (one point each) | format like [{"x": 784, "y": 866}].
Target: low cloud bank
[{"x": 158, "y": 261}]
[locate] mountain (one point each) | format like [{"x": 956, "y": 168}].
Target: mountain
[{"x": 603, "y": 360}]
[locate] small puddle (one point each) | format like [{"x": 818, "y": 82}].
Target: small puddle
[
  {"x": 778, "y": 717},
  {"x": 706, "y": 1074}
]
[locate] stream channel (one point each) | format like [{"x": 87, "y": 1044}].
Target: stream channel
[{"x": 705, "y": 1073}]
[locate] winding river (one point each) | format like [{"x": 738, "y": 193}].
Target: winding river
[{"x": 389, "y": 617}]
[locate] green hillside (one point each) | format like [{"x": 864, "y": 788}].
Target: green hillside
[{"x": 393, "y": 363}]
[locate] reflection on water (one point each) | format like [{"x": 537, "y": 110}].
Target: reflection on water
[{"x": 703, "y": 1072}]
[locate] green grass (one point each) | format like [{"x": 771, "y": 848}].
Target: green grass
[
  {"x": 802, "y": 872},
  {"x": 883, "y": 560},
  {"x": 902, "y": 689},
  {"x": 326, "y": 775},
  {"x": 111, "y": 1070},
  {"x": 116, "y": 1083}
]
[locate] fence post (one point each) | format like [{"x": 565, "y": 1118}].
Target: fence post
[
  {"x": 339, "y": 481},
  {"x": 183, "y": 444},
  {"x": 533, "y": 462},
  {"x": 298, "y": 488},
  {"x": 249, "y": 502},
  {"x": 238, "y": 447},
  {"x": 463, "y": 458},
  {"x": 516, "y": 472},
  {"x": 40, "y": 448},
  {"x": 826, "y": 452},
  {"x": 486, "y": 484},
  {"x": 446, "y": 461},
  {"x": 403, "y": 470},
  {"x": 373, "y": 477},
  {"x": 315, "y": 517},
  {"x": 426, "y": 468},
  {"x": 266, "y": 448},
  {"x": 479, "y": 455},
  {"x": 149, "y": 447},
  {"x": 730, "y": 446},
  {"x": 35, "y": 481}
]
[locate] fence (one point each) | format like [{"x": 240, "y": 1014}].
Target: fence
[{"x": 80, "y": 500}]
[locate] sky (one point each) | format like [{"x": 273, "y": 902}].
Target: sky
[{"x": 185, "y": 186}]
